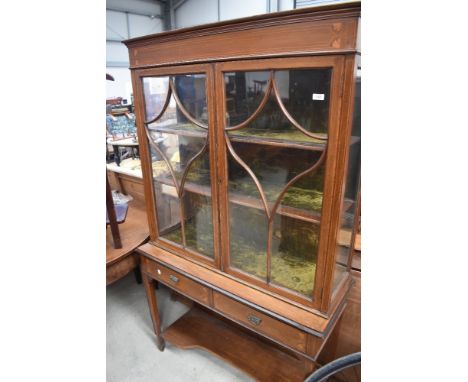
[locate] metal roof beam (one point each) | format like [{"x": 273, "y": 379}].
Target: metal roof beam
[{"x": 150, "y": 15}]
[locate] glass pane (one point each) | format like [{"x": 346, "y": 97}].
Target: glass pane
[
  {"x": 304, "y": 93},
  {"x": 155, "y": 92},
  {"x": 244, "y": 93},
  {"x": 277, "y": 152},
  {"x": 197, "y": 206},
  {"x": 198, "y": 223},
  {"x": 294, "y": 254},
  {"x": 179, "y": 151},
  {"x": 191, "y": 90},
  {"x": 167, "y": 202},
  {"x": 274, "y": 167},
  {"x": 248, "y": 240},
  {"x": 247, "y": 222},
  {"x": 307, "y": 192},
  {"x": 348, "y": 210}
]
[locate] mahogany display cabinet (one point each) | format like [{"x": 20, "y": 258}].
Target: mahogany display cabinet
[{"x": 249, "y": 136}]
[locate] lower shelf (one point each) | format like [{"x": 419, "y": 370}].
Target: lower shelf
[{"x": 260, "y": 358}]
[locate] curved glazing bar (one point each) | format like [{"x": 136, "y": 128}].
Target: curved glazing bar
[
  {"x": 157, "y": 95},
  {"x": 281, "y": 144},
  {"x": 305, "y": 95},
  {"x": 259, "y": 108},
  {"x": 176, "y": 143},
  {"x": 291, "y": 119},
  {"x": 313, "y": 168},
  {"x": 159, "y": 115},
  {"x": 189, "y": 165},
  {"x": 182, "y": 108},
  {"x": 164, "y": 157},
  {"x": 250, "y": 172}
]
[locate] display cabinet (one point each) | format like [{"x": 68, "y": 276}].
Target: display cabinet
[{"x": 250, "y": 145}]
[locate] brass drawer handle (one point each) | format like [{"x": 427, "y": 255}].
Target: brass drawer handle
[
  {"x": 254, "y": 320},
  {"x": 174, "y": 278}
]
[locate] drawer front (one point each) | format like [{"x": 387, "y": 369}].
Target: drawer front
[
  {"x": 177, "y": 281},
  {"x": 260, "y": 322}
]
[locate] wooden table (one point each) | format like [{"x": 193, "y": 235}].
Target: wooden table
[
  {"x": 133, "y": 232},
  {"x": 127, "y": 142}
]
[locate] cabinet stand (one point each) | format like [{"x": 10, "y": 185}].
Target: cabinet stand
[{"x": 251, "y": 353}]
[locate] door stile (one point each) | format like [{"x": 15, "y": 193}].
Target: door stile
[
  {"x": 222, "y": 169},
  {"x": 212, "y": 142}
]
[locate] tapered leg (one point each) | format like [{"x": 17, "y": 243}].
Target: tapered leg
[
  {"x": 153, "y": 307},
  {"x": 137, "y": 274}
]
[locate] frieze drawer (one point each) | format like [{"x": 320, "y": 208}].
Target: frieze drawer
[
  {"x": 176, "y": 281},
  {"x": 260, "y": 322}
]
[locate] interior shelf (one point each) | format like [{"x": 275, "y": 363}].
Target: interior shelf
[
  {"x": 185, "y": 131},
  {"x": 246, "y": 201},
  {"x": 190, "y": 131},
  {"x": 277, "y": 142}
]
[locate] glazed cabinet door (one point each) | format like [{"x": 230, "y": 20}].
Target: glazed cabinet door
[
  {"x": 278, "y": 124},
  {"x": 176, "y": 126}
]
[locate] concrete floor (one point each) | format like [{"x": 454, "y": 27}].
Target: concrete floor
[{"x": 132, "y": 355}]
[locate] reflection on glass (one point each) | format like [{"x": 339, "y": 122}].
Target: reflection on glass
[
  {"x": 248, "y": 240},
  {"x": 348, "y": 209},
  {"x": 304, "y": 93},
  {"x": 274, "y": 167},
  {"x": 198, "y": 223},
  {"x": 191, "y": 90},
  {"x": 294, "y": 254},
  {"x": 307, "y": 192},
  {"x": 244, "y": 93},
  {"x": 197, "y": 207},
  {"x": 179, "y": 148},
  {"x": 155, "y": 92},
  {"x": 167, "y": 202}
]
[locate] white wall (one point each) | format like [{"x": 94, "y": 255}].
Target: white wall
[
  {"x": 195, "y": 12},
  {"x": 285, "y": 5},
  {"x": 241, "y": 8},
  {"x": 122, "y": 86},
  {"x": 121, "y": 26},
  {"x": 117, "y": 28}
]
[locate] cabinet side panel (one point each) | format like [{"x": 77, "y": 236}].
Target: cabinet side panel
[{"x": 339, "y": 174}]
